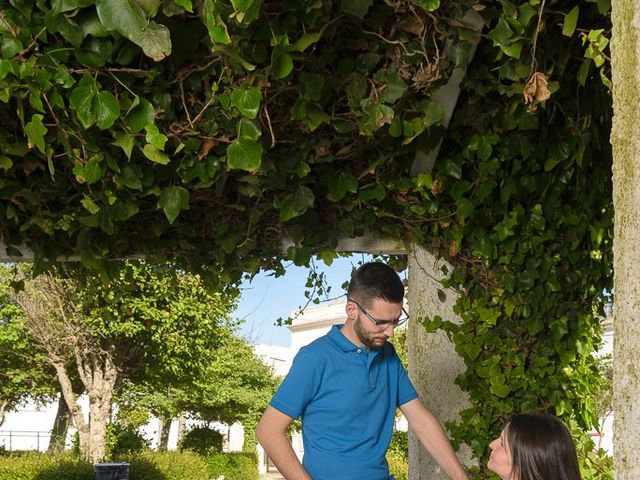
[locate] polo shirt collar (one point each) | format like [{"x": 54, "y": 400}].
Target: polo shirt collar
[{"x": 343, "y": 343}]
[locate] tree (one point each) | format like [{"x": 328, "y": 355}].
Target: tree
[
  {"x": 147, "y": 321},
  {"x": 24, "y": 374},
  {"x": 232, "y": 385}
]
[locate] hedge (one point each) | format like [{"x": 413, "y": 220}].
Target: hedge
[
  {"x": 234, "y": 466},
  {"x": 145, "y": 466}
]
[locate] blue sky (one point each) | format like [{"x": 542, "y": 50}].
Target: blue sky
[{"x": 267, "y": 298}]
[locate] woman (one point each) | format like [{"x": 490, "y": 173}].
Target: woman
[{"x": 534, "y": 447}]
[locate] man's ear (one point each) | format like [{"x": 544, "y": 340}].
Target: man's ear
[{"x": 352, "y": 310}]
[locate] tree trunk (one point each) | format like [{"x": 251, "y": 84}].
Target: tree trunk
[
  {"x": 433, "y": 361},
  {"x": 182, "y": 427},
  {"x": 71, "y": 400},
  {"x": 99, "y": 375},
  {"x": 60, "y": 428},
  {"x": 165, "y": 427},
  {"x": 3, "y": 408},
  {"x": 625, "y": 140}
]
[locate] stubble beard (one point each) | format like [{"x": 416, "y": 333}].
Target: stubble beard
[{"x": 369, "y": 340}]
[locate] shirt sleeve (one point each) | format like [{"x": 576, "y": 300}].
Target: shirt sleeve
[
  {"x": 299, "y": 386},
  {"x": 406, "y": 390}
]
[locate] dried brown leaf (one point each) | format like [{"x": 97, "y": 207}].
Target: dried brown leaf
[{"x": 536, "y": 90}]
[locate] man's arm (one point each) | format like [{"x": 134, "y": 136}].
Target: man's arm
[
  {"x": 433, "y": 438},
  {"x": 271, "y": 433}
]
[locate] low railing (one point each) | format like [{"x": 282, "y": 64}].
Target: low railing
[{"x": 24, "y": 440}]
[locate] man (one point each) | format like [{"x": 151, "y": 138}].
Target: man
[{"x": 346, "y": 387}]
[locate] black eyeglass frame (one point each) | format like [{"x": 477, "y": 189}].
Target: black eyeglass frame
[{"x": 382, "y": 324}]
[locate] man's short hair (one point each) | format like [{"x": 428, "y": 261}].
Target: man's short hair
[{"x": 375, "y": 280}]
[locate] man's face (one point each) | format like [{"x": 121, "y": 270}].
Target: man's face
[{"x": 371, "y": 335}]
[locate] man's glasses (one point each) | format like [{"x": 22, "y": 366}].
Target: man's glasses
[{"x": 382, "y": 324}]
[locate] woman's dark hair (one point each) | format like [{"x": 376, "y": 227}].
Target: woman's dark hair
[
  {"x": 375, "y": 280},
  {"x": 541, "y": 448}
]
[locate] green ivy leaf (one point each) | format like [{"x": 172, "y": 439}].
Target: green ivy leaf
[
  {"x": 172, "y": 201},
  {"x": 345, "y": 182},
  {"x": 428, "y": 5},
  {"x": 247, "y": 101},
  {"x": 10, "y": 47},
  {"x": 141, "y": 116},
  {"x": 306, "y": 40},
  {"x": 248, "y": 129},
  {"x": 244, "y": 154},
  {"x": 155, "y": 41},
  {"x": 124, "y": 16},
  {"x": 395, "y": 89},
  {"x": 105, "y": 109},
  {"x": 90, "y": 25},
  {"x": 90, "y": 205},
  {"x": 215, "y": 25},
  {"x": 571, "y": 21},
  {"x": 81, "y": 100},
  {"x": 155, "y": 155},
  {"x": 453, "y": 168},
  {"x": 154, "y": 137},
  {"x": 36, "y": 131},
  {"x": 186, "y": 4},
  {"x": 93, "y": 170},
  {"x": 500, "y": 390},
  {"x": 295, "y": 204},
  {"x": 125, "y": 141},
  {"x": 464, "y": 207},
  {"x": 5, "y": 162},
  {"x": 281, "y": 63},
  {"x": 376, "y": 115}
]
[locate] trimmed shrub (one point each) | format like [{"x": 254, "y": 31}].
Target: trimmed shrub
[
  {"x": 124, "y": 440},
  {"x": 145, "y": 466},
  {"x": 40, "y": 466},
  {"x": 167, "y": 465},
  {"x": 234, "y": 466},
  {"x": 202, "y": 440}
]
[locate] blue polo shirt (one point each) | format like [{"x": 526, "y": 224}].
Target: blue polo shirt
[{"x": 347, "y": 397}]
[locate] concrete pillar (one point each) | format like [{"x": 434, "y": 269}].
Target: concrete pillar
[
  {"x": 433, "y": 362},
  {"x": 625, "y": 140}
]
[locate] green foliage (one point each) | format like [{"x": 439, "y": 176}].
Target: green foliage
[
  {"x": 24, "y": 372},
  {"x": 145, "y": 466},
  {"x": 165, "y": 465},
  {"x": 124, "y": 440},
  {"x": 234, "y": 466},
  {"x": 38, "y": 466},
  {"x": 235, "y": 386},
  {"x": 202, "y": 440},
  {"x": 230, "y": 141},
  {"x": 527, "y": 225},
  {"x": 398, "y": 455}
]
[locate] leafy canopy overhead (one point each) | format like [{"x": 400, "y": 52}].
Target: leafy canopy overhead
[{"x": 211, "y": 131}]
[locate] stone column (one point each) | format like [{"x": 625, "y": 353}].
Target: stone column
[
  {"x": 625, "y": 139},
  {"x": 433, "y": 363}
]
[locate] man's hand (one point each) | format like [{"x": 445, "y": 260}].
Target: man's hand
[{"x": 433, "y": 437}]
